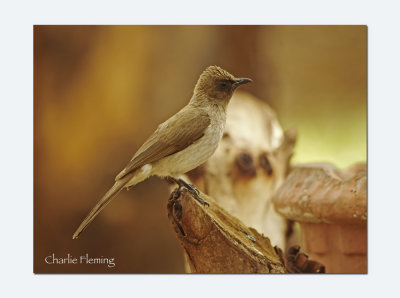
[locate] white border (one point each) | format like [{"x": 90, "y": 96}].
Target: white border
[{"x": 17, "y": 18}]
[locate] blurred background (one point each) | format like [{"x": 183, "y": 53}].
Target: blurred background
[{"x": 100, "y": 91}]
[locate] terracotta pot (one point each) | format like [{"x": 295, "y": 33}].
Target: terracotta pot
[{"x": 331, "y": 208}]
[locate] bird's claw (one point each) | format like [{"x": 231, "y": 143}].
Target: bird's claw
[
  {"x": 194, "y": 191},
  {"x": 201, "y": 201},
  {"x": 195, "y": 194}
]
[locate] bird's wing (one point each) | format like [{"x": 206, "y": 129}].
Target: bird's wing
[{"x": 172, "y": 136}]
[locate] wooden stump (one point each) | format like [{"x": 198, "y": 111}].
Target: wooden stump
[{"x": 214, "y": 241}]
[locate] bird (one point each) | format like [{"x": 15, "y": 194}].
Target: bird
[{"x": 181, "y": 143}]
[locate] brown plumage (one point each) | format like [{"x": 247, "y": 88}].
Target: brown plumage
[
  {"x": 163, "y": 143},
  {"x": 181, "y": 143}
]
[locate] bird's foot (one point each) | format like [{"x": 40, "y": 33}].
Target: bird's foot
[
  {"x": 200, "y": 200},
  {"x": 193, "y": 190},
  {"x": 189, "y": 187}
]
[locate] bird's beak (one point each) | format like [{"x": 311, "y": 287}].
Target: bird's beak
[{"x": 241, "y": 81}]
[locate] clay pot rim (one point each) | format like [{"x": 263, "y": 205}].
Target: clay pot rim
[{"x": 322, "y": 193}]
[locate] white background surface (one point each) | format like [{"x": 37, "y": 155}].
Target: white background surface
[{"x": 16, "y": 116}]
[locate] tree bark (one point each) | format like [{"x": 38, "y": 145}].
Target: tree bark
[{"x": 216, "y": 242}]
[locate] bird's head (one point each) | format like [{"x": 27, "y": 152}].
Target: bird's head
[{"x": 217, "y": 84}]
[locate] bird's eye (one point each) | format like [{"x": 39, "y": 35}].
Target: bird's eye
[{"x": 224, "y": 85}]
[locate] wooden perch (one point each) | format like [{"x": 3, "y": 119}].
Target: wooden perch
[{"x": 216, "y": 242}]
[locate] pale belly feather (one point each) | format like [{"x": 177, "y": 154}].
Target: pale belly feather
[{"x": 192, "y": 156}]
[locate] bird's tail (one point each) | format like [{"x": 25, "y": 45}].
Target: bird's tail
[{"x": 111, "y": 194}]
